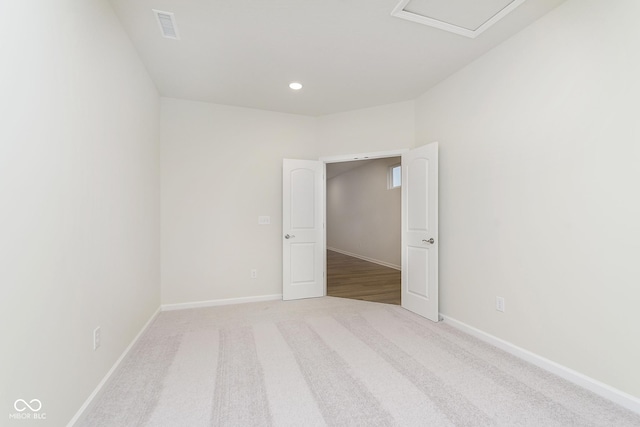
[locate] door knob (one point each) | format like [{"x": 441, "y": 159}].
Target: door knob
[
  {"x": 287, "y": 236},
  {"x": 428, "y": 241}
]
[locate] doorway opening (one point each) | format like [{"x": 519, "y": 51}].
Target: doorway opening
[
  {"x": 304, "y": 228},
  {"x": 363, "y": 230}
]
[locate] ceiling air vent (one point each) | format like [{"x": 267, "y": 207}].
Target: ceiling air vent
[
  {"x": 167, "y": 22},
  {"x": 465, "y": 17}
]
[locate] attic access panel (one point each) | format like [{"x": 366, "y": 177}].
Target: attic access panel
[{"x": 468, "y": 18}]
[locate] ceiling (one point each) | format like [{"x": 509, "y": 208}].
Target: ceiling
[
  {"x": 335, "y": 169},
  {"x": 348, "y": 54}
]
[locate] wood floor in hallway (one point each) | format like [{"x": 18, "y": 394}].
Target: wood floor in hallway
[{"x": 350, "y": 277}]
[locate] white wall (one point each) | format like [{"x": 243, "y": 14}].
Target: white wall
[
  {"x": 363, "y": 215},
  {"x": 79, "y": 190},
  {"x": 382, "y": 128},
  {"x": 222, "y": 168},
  {"x": 539, "y": 184}
]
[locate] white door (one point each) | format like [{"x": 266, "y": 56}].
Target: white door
[
  {"x": 420, "y": 231},
  {"x": 302, "y": 229}
]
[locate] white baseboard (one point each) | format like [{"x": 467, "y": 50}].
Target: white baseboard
[
  {"x": 375, "y": 261},
  {"x": 216, "y": 302},
  {"x": 106, "y": 378},
  {"x": 617, "y": 396}
]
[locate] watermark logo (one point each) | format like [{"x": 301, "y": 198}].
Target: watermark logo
[
  {"x": 30, "y": 410},
  {"x": 21, "y": 405}
]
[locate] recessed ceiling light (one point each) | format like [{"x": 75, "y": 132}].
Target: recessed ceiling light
[{"x": 295, "y": 86}]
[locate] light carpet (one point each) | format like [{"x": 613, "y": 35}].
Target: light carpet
[{"x": 336, "y": 362}]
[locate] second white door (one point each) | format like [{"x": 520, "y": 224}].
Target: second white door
[{"x": 420, "y": 231}]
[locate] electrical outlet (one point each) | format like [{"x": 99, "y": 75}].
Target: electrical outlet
[
  {"x": 264, "y": 220},
  {"x": 97, "y": 338},
  {"x": 254, "y": 273},
  {"x": 500, "y": 304}
]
